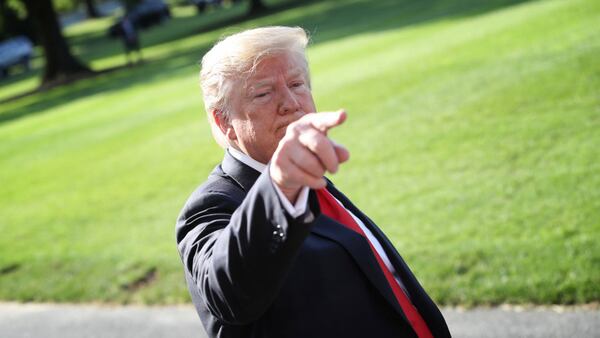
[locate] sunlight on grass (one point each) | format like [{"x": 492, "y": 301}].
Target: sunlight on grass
[{"x": 475, "y": 124}]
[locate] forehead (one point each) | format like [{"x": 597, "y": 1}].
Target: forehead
[{"x": 272, "y": 66}]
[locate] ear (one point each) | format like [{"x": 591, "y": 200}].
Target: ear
[{"x": 224, "y": 125}]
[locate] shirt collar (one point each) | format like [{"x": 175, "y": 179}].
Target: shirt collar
[{"x": 247, "y": 160}]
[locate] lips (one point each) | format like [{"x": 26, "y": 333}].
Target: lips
[{"x": 287, "y": 123}]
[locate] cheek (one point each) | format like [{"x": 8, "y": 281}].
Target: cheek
[
  {"x": 280, "y": 134},
  {"x": 308, "y": 104},
  {"x": 245, "y": 131}
]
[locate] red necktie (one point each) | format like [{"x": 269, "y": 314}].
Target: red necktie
[{"x": 330, "y": 207}]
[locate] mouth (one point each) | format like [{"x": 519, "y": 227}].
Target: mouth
[{"x": 284, "y": 125}]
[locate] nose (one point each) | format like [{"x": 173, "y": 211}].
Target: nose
[{"x": 289, "y": 103}]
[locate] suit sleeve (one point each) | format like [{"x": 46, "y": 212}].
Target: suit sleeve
[{"x": 238, "y": 254}]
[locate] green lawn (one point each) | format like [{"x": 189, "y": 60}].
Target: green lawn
[{"x": 476, "y": 124}]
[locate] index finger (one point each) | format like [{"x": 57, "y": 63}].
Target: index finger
[{"x": 325, "y": 121}]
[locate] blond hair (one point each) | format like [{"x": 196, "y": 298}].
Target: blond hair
[{"x": 236, "y": 56}]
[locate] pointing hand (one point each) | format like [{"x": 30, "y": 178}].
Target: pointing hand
[{"x": 305, "y": 153}]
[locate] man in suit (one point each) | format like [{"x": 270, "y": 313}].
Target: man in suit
[{"x": 270, "y": 247}]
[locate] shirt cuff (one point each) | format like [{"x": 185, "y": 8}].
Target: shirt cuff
[{"x": 299, "y": 208}]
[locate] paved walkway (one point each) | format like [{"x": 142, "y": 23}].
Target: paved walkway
[{"x": 90, "y": 321}]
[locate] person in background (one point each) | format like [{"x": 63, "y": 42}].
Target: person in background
[
  {"x": 131, "y": 41},
  {"x": 270, "y": 247}
]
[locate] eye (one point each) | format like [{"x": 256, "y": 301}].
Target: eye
[
  {"x": 297, "y": 84},
  {"x": 259, "y": 95}
]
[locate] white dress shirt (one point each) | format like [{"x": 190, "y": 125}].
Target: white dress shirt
[{"x": 302, "y": 202}]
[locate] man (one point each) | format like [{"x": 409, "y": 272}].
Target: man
[{"x": 270, "y": 247}]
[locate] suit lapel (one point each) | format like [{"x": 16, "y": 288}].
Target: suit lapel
[
  {"x": 242, "y": 174},
  {"x": 418, "y": 296},
  {"x": 356, "y": 245},
  {"x": 359, "y": 250}
]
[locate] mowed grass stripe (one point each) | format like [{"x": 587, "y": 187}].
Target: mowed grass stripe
[
  {"x": 475, "y": 130},
  {"x": 483, "y": 117}
]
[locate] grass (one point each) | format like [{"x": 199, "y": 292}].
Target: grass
[{"x": 474, "y": 124}]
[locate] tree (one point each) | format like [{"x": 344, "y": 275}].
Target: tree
[
  {"x": 61, "y": 66},
  {"x": 256, "y": 6},
  {"x": 90, "y": 9},
  {"x": 13, "y": 21},
  {"x": 130, "y": 4}
]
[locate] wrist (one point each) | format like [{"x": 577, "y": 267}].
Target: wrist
[{"x": 290, "y": 193}]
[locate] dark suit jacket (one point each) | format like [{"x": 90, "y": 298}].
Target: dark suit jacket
[{"x": 255, "y": 271}]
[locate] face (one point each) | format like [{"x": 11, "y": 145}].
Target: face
[{"x": 275, "y": 95}]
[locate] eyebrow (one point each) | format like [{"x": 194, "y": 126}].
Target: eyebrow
[
  {"x": 262, "y": 83},
  {"x": 268, "y": 81},
  {"x": 295, "y": 72}
]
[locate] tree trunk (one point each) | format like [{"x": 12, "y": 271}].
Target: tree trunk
[
  {"x": 12, "y": 25},
  {"x": 90, "y": 9},
  {"x": 61, "y": 65},
  {"x": 256, "y": 6},
  {"x": 4, "y": 17}
]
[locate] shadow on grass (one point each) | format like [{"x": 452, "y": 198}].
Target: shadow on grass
[
  {"x": 93, "y": 45},
  {"x": 328, "y": 20},
  {"x": 113, "y": 79}
]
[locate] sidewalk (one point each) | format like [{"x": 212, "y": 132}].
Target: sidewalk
[{"x": 91, "y": 321}]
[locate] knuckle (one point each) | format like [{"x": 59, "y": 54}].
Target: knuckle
[
  {"x": 313, "y": 165},
  {"x": 294, "y": 128},
  {"x": 278, "y": 161},
  {"x": 307, "y": 117},
  {"x": 323, "y": 148},
  {"x": 312, "y": 144},
  {"x": 285, "y": 145},
  {"x": 311, "y": 138}
]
